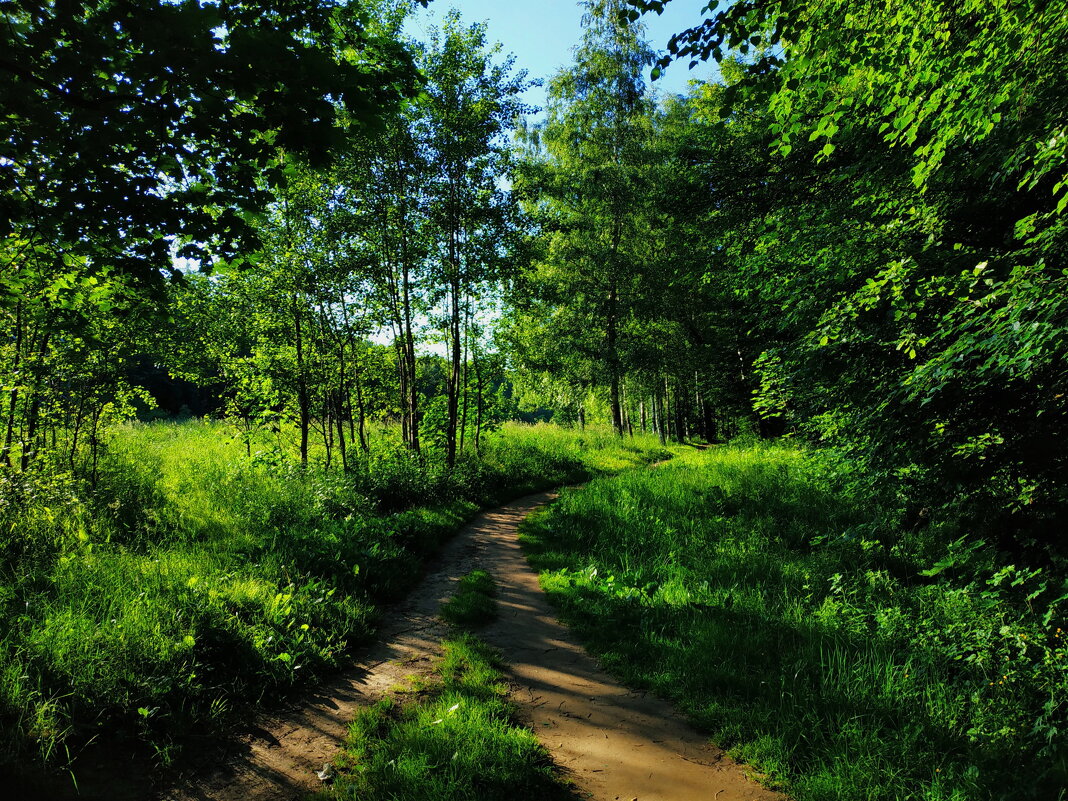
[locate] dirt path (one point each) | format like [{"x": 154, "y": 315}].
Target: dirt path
[{"x": 613, "y": 743}]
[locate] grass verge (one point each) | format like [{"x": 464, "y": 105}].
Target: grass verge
[
  {"x": 474, "y": 603},
  {"x": 791, "y": 620}
]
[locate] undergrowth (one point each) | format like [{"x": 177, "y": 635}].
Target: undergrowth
[
  {"x": 799, "y": 625},
  {"x": 192, "y": 578}
]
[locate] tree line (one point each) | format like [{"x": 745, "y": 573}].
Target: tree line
[{"x": 855, "y": 235}]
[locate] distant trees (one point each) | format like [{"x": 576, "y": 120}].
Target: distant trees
[
  {"x": 586, "y": 177},
  {"x": 616, "y": 299}
]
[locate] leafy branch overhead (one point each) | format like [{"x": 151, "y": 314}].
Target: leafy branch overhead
[
  {"x": 929, "y": 77},
  {"x": 134, "y": 127}
]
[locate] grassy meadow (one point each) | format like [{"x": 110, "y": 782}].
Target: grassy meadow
[
  {"x": 794, "y": 622},
  {"x": 195, "y": 577}
]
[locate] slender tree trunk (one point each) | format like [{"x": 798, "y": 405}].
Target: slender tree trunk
[
  {"x": 76, "y": 428},
  {"x": 453, "y": 384},
  {"x": 665, "y": 413},
  {"x": 409, "y": 352},
  {"x": 613, "y": 360},
  {"x": 302, "y": 384},
  {"x": 13, "y": 396},
  {"x": 339, "y": 416},
  {"x": 478, "y": 408},
  {"x": 29, "y": 447},
  {"x": 94, "y": 443},
  {"x": 466, "y": 371},
  {"x": 362, "y": 412},
  {"x": 680, "y": 414},
  {"x": 339, "y": 404},
  {"x": 328, "y": 431}
]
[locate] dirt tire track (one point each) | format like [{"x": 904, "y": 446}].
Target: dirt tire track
[{"x": 613, "y": 743}]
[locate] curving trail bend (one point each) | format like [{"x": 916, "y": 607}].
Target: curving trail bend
[{"x": 612, "y": 743}]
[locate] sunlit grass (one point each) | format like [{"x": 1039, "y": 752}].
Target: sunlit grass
[
  {"x": 789, "y": 620},
  {"x": 474, "y": 603},
  {"x": 194, "y": 578},
  {"x": 457, "y": 742}
]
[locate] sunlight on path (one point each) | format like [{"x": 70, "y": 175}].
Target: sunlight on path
[{"x": 611, "y": 742}]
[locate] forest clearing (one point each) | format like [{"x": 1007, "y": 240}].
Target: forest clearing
[{"x": 389, "y": 412}]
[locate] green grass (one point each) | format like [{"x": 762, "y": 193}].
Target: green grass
[
  {"x": 474, "y": 603},
  {"x": 456, "y": 743},
  {"x": 194, "y": 580},
  {"x": 793, "y": 622}
]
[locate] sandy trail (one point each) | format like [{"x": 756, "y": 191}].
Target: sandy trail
[{"x": 611, "y": 742}]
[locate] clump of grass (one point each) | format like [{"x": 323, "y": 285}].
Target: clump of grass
[
  {"x": 458, "y": 743},
  {"x": 474, "y": 603},
  {"x": 794, "y": 622}
]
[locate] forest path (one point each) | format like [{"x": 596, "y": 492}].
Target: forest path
[{"x": 612, "y": 743}]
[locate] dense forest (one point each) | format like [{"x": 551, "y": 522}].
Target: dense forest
[{"x": 287, "y": 294}]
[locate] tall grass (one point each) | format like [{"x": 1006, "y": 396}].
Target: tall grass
[
  {"x": 797, "y": 625},
  {"x": 194, "y": 578}
]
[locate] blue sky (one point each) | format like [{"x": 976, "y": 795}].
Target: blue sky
[{"x": 542, "y": 33}]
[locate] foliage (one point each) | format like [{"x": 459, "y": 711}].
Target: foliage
[
  {"x": 132, "y": 127},
  {"x": 904, "y": 225}
]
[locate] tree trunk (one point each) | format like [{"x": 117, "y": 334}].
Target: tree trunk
[
  {"x": 302, "y": 384},
  {"x": 453, "y": 384},
  {"x": 361, "y": 411},
  {"x": 613, "y": 361},
  {"x": 478, "y": 407},
  {"x": 466, "y": 360},
  {"x": 29, "y": 450},
  {"x": 13, "y": 396}
]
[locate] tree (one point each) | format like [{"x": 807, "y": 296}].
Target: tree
[
  {"x": 131, "y": 128},
  {"x": 586, "y": 175},
  {"x": 916, "y": 256},
  {"x": 469, "y": 108}
]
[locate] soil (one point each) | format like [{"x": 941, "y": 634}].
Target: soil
[{"x": 610, "y": 742}]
